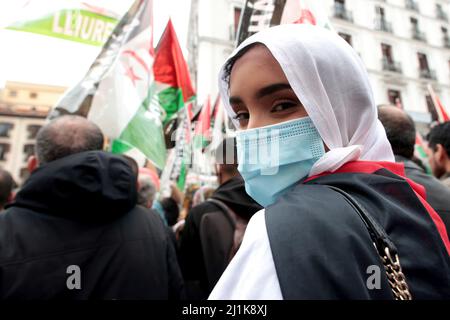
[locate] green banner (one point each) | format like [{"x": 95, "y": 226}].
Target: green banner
[{"x": 71, "y": 24}]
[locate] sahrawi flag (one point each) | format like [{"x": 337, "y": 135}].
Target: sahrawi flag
[
  {"x": 118, "y": 91},
  {"x": 173, "y": 82}
]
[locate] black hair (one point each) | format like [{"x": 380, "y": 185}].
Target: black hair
[
  {"x": 440, "y": 134},
  {"x": 400, "y": 131},
  {"x": 171, "y": 210}
]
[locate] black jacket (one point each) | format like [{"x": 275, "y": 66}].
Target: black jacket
[
  {"x": 81, "y": 210},
  {"x": 322, "y": 249},
  {"x": 233, "y": 194},
  {"x": 438, "y": 195}
]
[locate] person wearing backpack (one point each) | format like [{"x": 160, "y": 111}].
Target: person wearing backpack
[{"x": 214, "y": 228}]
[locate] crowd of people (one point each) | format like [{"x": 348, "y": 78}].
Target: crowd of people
[{"x": 318, "y": 187}]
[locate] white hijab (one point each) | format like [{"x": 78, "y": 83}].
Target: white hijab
[{"x": 331, "y": 81}]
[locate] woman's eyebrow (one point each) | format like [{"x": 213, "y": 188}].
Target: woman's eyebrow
[{"x": 272, "y": 89}]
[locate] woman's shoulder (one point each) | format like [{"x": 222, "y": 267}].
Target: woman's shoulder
[{"x": 310, "y": 204}]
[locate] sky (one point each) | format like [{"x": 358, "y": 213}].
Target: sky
[{"x": 28, "y": 57}]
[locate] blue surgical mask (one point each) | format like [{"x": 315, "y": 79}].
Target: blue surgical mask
[{"x": 274, "y": 158}]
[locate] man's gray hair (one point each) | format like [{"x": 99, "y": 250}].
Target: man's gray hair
[
  {"x": 65, "y": 136},
  {"x": 147, "y": 190}
]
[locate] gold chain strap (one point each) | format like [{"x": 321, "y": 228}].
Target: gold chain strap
[{"x": 395, "y": 275}]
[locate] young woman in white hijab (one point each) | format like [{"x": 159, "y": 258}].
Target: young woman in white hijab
[{"x": 301, "y": 98}]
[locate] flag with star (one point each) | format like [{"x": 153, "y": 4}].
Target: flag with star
[
  {"x": 118, "y": 92},
  {"x": 172, "y": 79}
]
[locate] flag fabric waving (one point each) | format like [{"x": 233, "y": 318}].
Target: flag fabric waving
[
  {"x": 118, "y": 92},
  {"x": 202, "y": 133},
  {"x": 440, "y": 110},
  {"x": 173, "y": 82}
]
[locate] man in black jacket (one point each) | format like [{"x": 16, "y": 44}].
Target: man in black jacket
[
  {"x": 401, "y": 133},
  {"x": 230, "y": 192},
  {"x": 74, "y": 230}
]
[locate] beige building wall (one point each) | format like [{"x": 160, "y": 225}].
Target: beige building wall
[{"x": 23, "y": 111}]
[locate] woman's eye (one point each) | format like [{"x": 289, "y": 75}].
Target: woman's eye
[
  {"x": 283, "y": 106},
  {"x": 242, "y": 118}
]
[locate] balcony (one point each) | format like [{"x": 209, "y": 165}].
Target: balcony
[
  {"x": 382, "y": 25},
  {"x": 412, "y": 5},
  {"x": 390, "y": 65},
  {"x": 340, "y": 12},
  {"x": 427, "y": 74},
  {"x": 418, "y": 35},
  {"x": 442, "y": 15}
]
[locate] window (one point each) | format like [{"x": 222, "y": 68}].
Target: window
[
  {"x": 416, "y": 33},
  {"x": 380, "y": 21},
  {"x": 28, "y": 151},
  {"x": 33, "y": 130},
  {"x": 412, "y": 5},
  {"x": 380, "y": 12},
  {"x": 346, "y": 37},
  {"x": 424, "y": 69},
  {"x": 13, "y": 93},
  {"x": 414, "y": 24},
  {"x": 395, "y": 97},
  {"x": 445, "y": 38},
  {"x": 423, "y": 62},
  {"x": 5, "y": 128},
  {"x": 431, "y": 109},
  {"x": 341, "y": 12},
  {"x": 388, "y": 60},
  {"x": 4, "y": 149},
  {"x": 440, "y": 13},
  {"x": 24, "y": 174},
  {"x": 33, "y": 95},
  {"x": 387, "y": 52}
]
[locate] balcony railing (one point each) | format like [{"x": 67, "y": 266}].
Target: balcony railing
[
  {"x": 390, "y": 65},
  {"x": 427, "y": 74},
  {"x": 418, "y": 35},
  {"x": 442, "y": 15},
  {"x": 341, "y": 12},
  {"x": 412, "y": 5},
  {"x": 383, "y": 25}
]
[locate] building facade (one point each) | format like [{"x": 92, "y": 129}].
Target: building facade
[
  {"x": 404, "y": 44},
  {"x": 23, "y": 109}
]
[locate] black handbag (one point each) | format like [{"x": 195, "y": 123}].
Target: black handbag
[{"x": 385, "y": 248}]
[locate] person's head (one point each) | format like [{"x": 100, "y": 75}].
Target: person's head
[
  {"x": 171, "y": 210},
  {"x": 292, "y": 71},
  {"x": 6, "y": 187},
  {"x": 65, "y": 136},
  {"x": 439, "y": 149},
  {"x": 146, "y": 190},
  {"x": 202, "y": 194},
  {"x": 226, "y": 160},
  {"x": 400, "y": 130}
]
